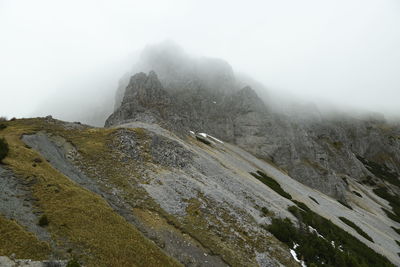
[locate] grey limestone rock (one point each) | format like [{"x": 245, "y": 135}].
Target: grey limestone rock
[{"x": 203, "y": 95}]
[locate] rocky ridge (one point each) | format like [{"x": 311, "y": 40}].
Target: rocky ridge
[{"x": 319, "y": 152}]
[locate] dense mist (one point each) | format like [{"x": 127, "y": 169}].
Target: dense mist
[{"x": 68, "y": 58}]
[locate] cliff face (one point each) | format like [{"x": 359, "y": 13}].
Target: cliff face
[{"x": 318, "y": 150}]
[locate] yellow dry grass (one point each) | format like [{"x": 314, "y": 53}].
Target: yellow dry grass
[
  {"x": 15, "y": 239},
  {"x": 78, "y": 217}
]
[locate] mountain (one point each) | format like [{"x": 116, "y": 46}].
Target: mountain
[
  {"x": 319, "y": 150},
  {"x": 194, "y": 168},
  {"x": 141, "y": 195}
]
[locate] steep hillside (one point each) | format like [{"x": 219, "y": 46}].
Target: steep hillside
[{"x": 141, "y": 195}]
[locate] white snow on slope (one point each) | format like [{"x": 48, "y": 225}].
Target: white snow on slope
[
  {"x": 294, "y": 255},
  {"x": 211, "y": 137}
]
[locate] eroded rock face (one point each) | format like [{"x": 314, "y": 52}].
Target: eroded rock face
[{"x": 316, "y": 150}]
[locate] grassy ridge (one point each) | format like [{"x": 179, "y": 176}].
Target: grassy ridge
[
  {"x": 77, "y": 217},
  {"x": 15, "y": 239}
]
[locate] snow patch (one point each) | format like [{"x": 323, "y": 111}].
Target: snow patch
[
  {"x": 313, "y": 230},
  {"x": 294, "y": 255},
  {"x": 203, "y": 135},
  {"x": 215, "y": 139},
  {"x": 211, "y": 137}
]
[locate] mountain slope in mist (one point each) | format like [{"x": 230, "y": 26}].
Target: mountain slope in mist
[
  {"x": 139, "y": 195},
  {"x": 320, "y": 150},
  {"x": 194, "y": 168}
]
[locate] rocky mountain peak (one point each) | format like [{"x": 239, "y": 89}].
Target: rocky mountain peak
[
  {"x": 144, "y": 99},
  {"x": 176, "y": 70},
  {"x": 182, "y": 94},
  {"x": 146, "y": 89}
]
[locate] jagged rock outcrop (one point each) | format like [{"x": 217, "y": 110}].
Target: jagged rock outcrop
[
  {"x": 144, "y": 99},
  {"x": 177, "y": 71},
  {"x": 315, "y": 149}
]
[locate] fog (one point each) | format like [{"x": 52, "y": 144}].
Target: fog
[{"x": 65, "y": 58}]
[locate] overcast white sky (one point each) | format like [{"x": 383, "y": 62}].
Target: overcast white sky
[{"x": 53, "y": 53}]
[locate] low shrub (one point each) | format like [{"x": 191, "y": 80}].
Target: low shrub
[
  {"x": 52, "y": 264},
  {"x": 314, "y": 250},
  {"x": 338, "y": 145},
  {"x": 43, "y": 221},
  {"x": 301, "y": 205},
  {"x": 346, "y": 251},
  {"x": 357, "y": 194},
  {"x": 3, "y": 149},
  {"x": 391, "y": 215},
  {"x": 265, "y": 211},
  {"x": 380, "y": 171},
  {"x": 2, "y": 126},
  {"x": 368, "y": 181},
  {"x": 345, "y": 204},
  {"x": 271, "y": 183},
  {"x": 73, "y": 263},
  {"x": 355, "y": 227},
  {"x": 394, "y": 201},
  {"x": 313, "y": 199},
  {"x": 283, "y": 230},
  {"x": 397, "y": 230}
]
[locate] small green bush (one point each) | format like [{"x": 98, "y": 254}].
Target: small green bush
[
  {"x": 313, "y": 199},
  {"x": 345, "y": 204},
  {"x": 380, "y": 171},
  {"x": 391, "y": 215},
  {"x": 265, "y": 211},
  {"x": 394, "y": 201},
  {"x": 338, "y": 145},
  {"x": 369, "y": 181},
  {"x": 397, "y": 230},
  {"x": 73, "y": 263},
  {"x": 357, "y": 194},
  {"x": 355, "y": 227},
  {"x": 271, "y": 183},
  {"x": 3, "y": 149},
  {"x": 283, "y": 230},
  {"x": 301, "y": 205},
  {"x": 2, "y": 126},
  {"x": 398, "y": 242},
  {"x": 43, "y": 221}
]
